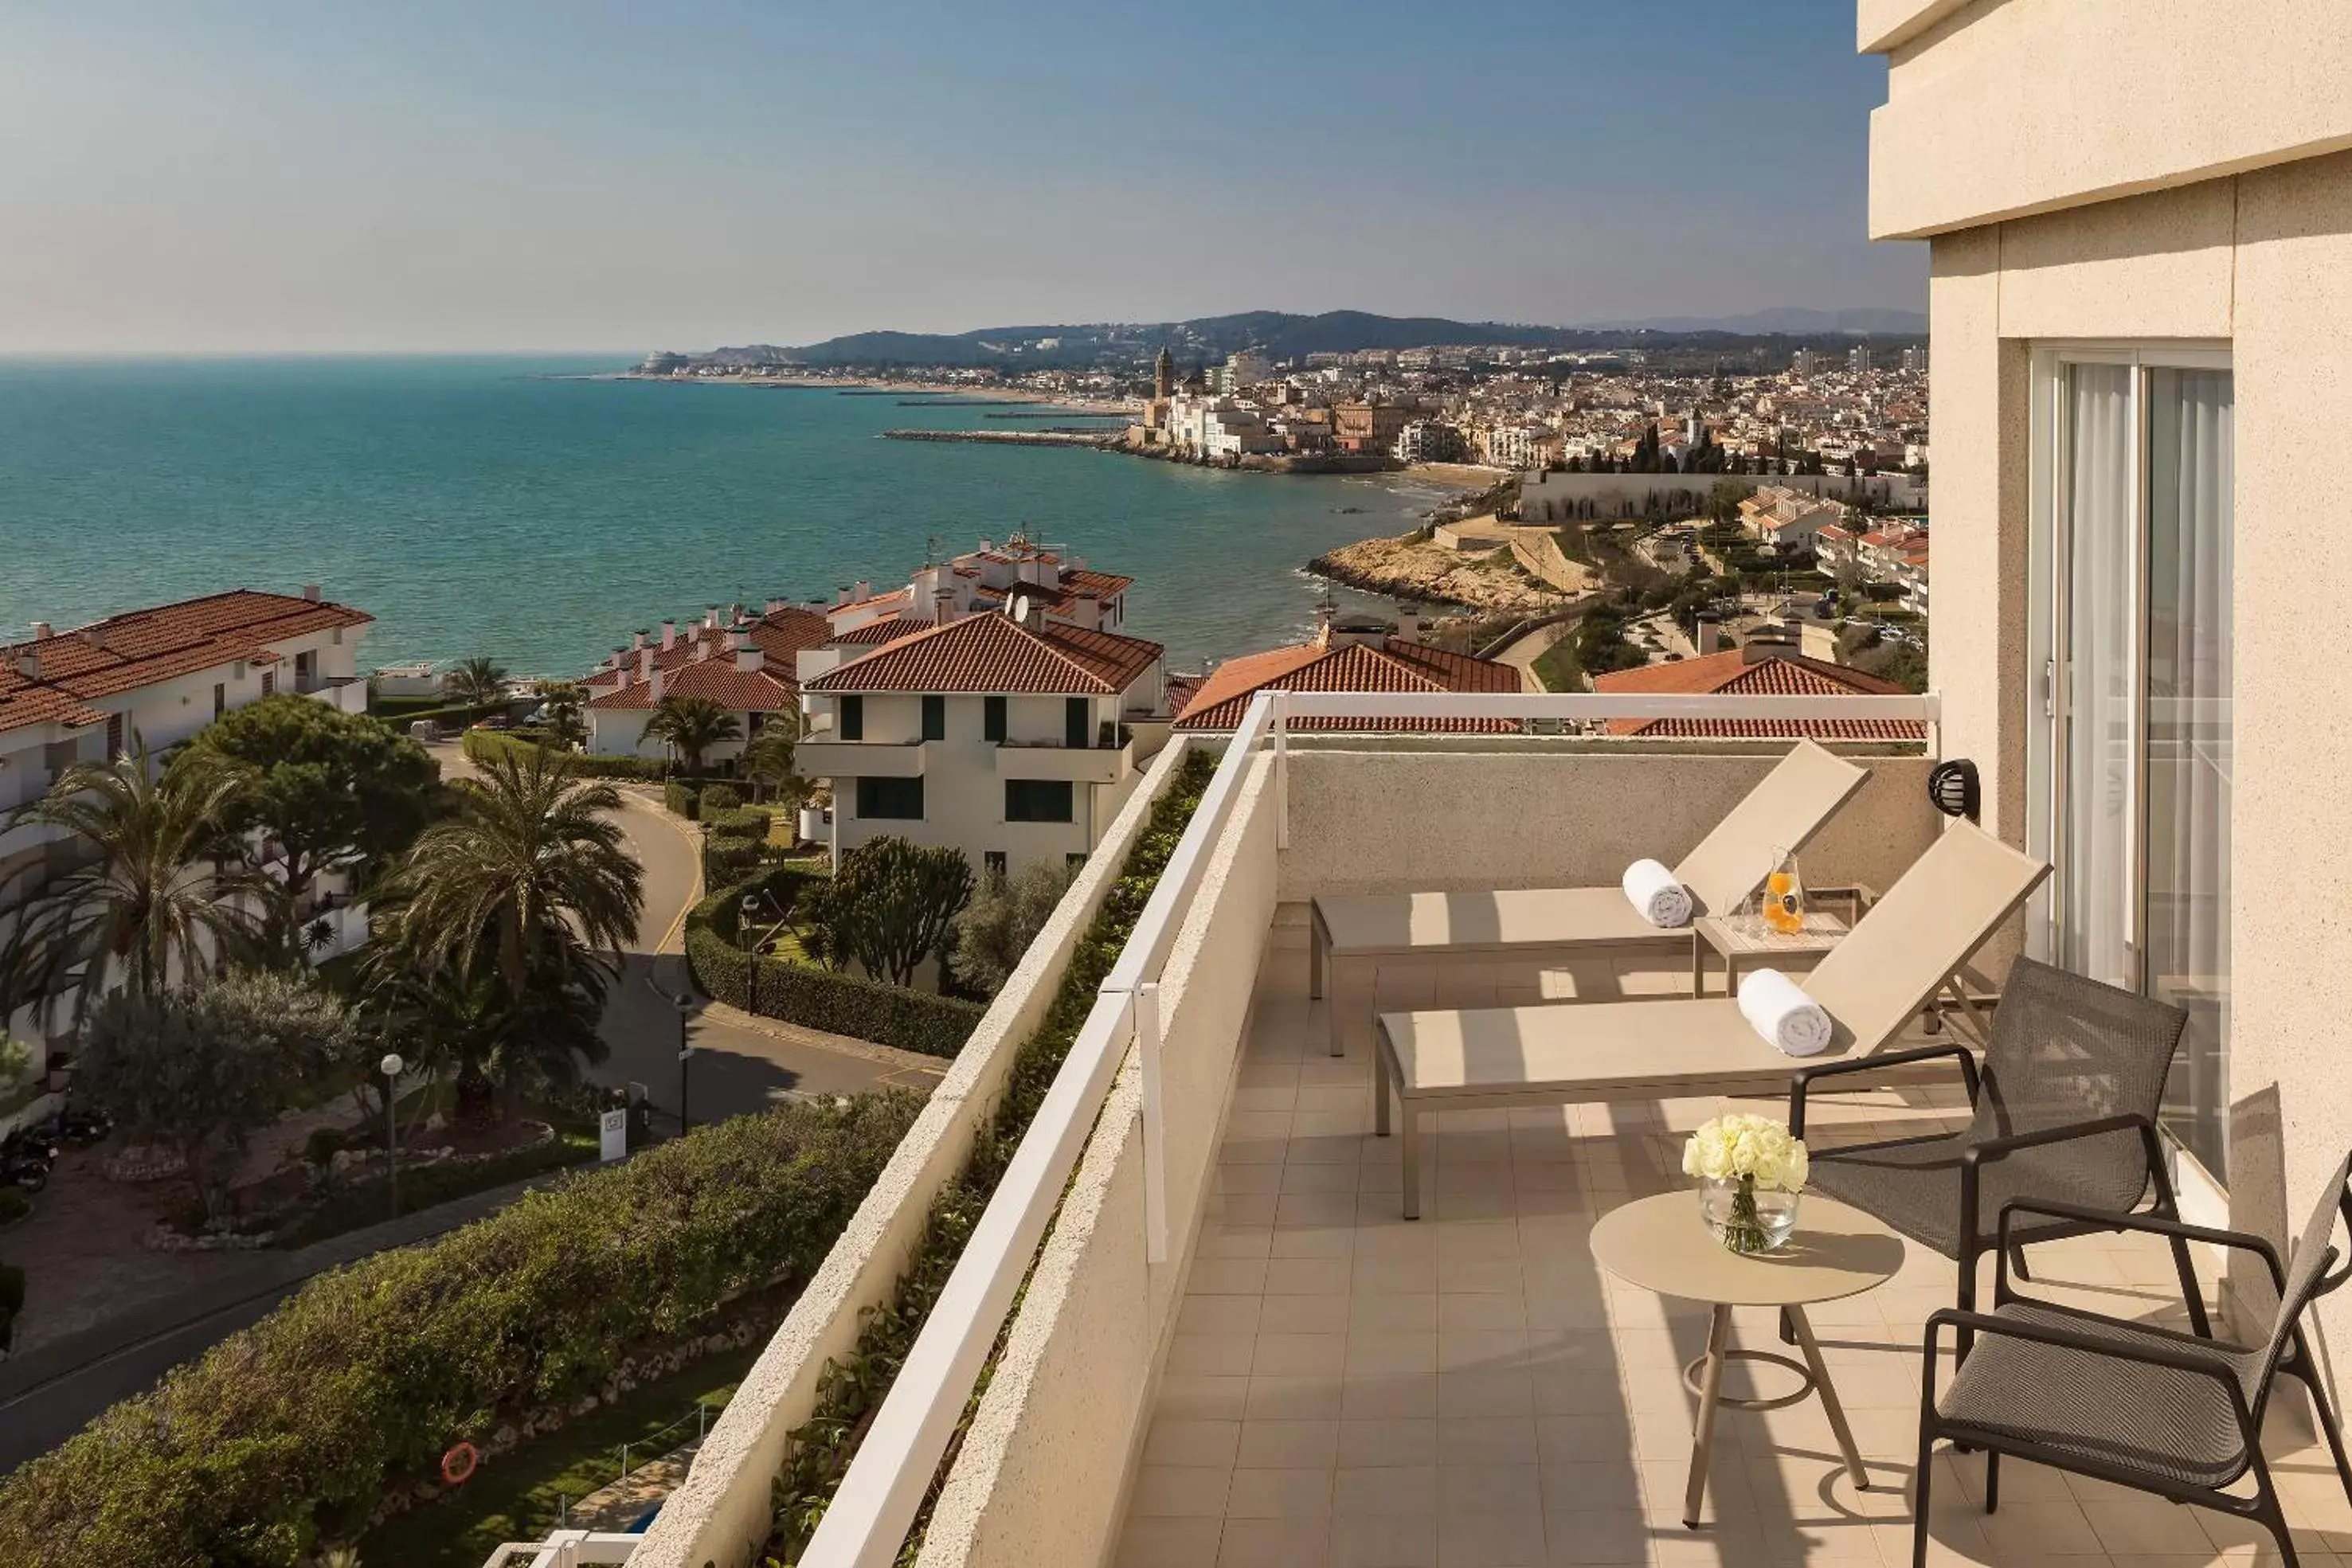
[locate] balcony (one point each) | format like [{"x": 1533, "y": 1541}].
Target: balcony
[
  {"x": 347, "y": 694},
  {"x": 1079, "y": 764},
  {"x": 1232, "y": 1348},
  {"x": 861, "y": 759}
]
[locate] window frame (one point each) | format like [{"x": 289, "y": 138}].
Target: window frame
[
  {"x": 849, "y": 716},
  {"x": 878, "y": 783},
  {"x": 1068, "y": 796},
  {"x": 935, "y": 717},
  {"x": 994, "y": 724}
]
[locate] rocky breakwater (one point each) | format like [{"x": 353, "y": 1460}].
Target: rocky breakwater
[{"x": 1412, "y": 567}]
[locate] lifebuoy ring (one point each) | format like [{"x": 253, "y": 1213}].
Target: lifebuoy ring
[{"x": 458, "y": 1463}]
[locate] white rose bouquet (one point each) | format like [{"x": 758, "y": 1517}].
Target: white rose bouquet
[{"x": 1747, "y": 1154}]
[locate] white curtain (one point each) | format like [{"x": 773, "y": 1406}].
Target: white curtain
[
  {"x": 2103, "y": 537},
  {"x": 2188, "y": 738}
]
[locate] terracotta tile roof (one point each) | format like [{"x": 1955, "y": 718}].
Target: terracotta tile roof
[
  {"x": 990, "y": 652},
  {"x": 141, "y": 647},
  {"x": 895, "y": 597},
  {"x": 1181, "y": 689},
  {"x": 737, "y": 691},
  {"x": 1396, "y": 665},
  {"x": 1733, "y": 673},
  {"x": 1095, "y": 584},
  {"x": 781, "y": 634},
  {"x": 888, "y": 628}
]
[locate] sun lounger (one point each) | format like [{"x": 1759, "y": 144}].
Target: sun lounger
[
  {"x": 1784, "y": 810},
  {"x": 1871, "y": 984}
]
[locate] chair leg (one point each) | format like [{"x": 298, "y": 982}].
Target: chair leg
[
  {"x": 1963, "y": 1338},
  {"x": 2192, "y": 1292},
  {"x": 1919, "y": 1479},
  {"x": 2326, "y": 1414},
  {"x": 1992, "y": 1480},
  {"x": 1788, "y": 1328},
  {"x": 2269, "y": 1515}
]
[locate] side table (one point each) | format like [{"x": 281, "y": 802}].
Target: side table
[{"x": 1661, "y": 1244}]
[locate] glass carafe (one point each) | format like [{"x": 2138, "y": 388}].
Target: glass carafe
[{"x": 1784, "y": 896}]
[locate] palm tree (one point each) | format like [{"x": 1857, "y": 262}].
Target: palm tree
[
  {"x": 769, "y": 761},
  {"x": 693, "y": 725},
  {"x": 533, "y": 868},
  {"x": 157, "y": 895},
  {"x": 477, "y": 683},
  {"x": 561, "y": 700}
]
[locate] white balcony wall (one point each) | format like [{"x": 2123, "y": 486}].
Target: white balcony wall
[
  {"x": 1042, "y": 1474},
  {"x": 721, "y": 1512}
]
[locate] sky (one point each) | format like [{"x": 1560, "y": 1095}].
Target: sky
[{"x": 541, "y": 175}]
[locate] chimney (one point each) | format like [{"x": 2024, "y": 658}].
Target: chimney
[
  {"x": 1706, "y": 636},
  {"x": 1408, "y": 621},
  {"x": 865, "y": 590},
  {"x": 639, "y": 640},
  {"x": 28, "y": 664},
  {"x": 710, "y": 619},
  {"x": 43, "y": 631},
  {"x": 942, "y": 606},
  {"x": 1323, "y": 624},
  {"x": 775, "y": 606},
  {"x": 310, "y": 591},
  {"x": 658, "y": 684},
  {"x": 644, "y": 662},
  {"x": 748, "y": 656},
  {"x": 669, "y": 634}
]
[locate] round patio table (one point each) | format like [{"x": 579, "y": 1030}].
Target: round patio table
[{"x": 1661, "y": 1244}]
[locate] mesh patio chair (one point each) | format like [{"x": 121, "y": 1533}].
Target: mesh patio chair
[
  {"x": 2138, "y": 1406},
  {"x": 2066, "y": 1107}
]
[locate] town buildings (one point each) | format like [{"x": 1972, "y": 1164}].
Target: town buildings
[
  {"x": 154, "y": 678},
  {"x": 1000, "y": 732},
  {"x": 1354, "y": 652}
]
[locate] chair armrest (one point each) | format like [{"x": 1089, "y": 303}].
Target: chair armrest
[
  {"x": 2245, "y": 1241},
  {"x": 1856, "y": 896},
  {"x": 1802, "y": 1079},
  {"x": 2152, "y": 1354}
]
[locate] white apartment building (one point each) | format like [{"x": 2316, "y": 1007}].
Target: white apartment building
[
  {"x": 158, "y": 676},
  {"x": 1428, "y": 441},
  {"x": 1785, "y": 517},
  {"x": 1006, "y": 735}
]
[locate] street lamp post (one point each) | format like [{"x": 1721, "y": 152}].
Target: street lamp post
[
  {"x": 685, "y": 1007},
  {"x": 748, "y": 919},
  {"x": 391, "y": 1068}
]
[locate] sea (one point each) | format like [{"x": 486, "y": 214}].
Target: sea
[{"x": 536, "y": 512}]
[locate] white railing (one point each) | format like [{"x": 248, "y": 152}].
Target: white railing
[
  {"x": 566, "y": 1549},
  {"x": 879, "y": 1497}
]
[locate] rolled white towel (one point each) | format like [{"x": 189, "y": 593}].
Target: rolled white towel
[
  {"x": 1660, "y": 899},
  {"x": 1776, "y": 1007}
]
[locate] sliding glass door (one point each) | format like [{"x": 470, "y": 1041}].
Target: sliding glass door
[{"x": 2131, "y": 762}]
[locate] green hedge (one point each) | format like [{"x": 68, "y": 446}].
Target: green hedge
[
  {"x": 814, "y": 997},
  {"x": 441, "y": 713},
  {"x": 287, "y": 1434},
  {"x": 682, "y": 798},
  {"x": 728, "y": 860},
  {"x": 721, "y": 798},
  {"x": 354, "y": 1204},
  {"x": 737, "y": 822},
  {"x": 482, "y": 745}
]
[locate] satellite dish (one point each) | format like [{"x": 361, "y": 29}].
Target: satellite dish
[{"x": 1019, "y": 609}]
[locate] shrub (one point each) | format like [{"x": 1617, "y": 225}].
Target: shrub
[
  {"x": 728, "y": 859},
  {"x": 482, "y": 745},
  {"x": 290, "y": 1431},
  {"x": 682, "y": 798},
  {"x": 819, "y": 998},
  {"x": 735, "y": 822},
  {"x": 721, "y": 798},
  {"x": 1002, "y": 918}
]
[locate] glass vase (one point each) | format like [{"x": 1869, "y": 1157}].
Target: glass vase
[
  {"x": 1745, "y": 1218},
  {"x": 1784, "y": 896}
]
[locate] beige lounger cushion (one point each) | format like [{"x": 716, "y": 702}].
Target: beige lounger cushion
[
  {"x": 1953, "y": 897},
  {"x": 1596, "y": 1051}
]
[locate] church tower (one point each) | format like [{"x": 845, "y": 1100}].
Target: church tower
[{"x": 1163, "y": 374}]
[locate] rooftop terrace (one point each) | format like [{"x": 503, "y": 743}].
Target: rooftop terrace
[{"x": 1220, "y": 1342}]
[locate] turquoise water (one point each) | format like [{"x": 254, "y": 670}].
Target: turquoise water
[{"x": 481, "y": 507}]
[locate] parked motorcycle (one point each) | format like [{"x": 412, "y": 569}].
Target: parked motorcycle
[
  {"x": 81, "y": 1128},
  {"x": 24, "y": 1171},
  {"x": 30, "y": 1143}
]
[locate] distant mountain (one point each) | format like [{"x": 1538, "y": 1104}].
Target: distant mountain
[
  {"x": 1786, "y": 320},
  {"x": 1280, "y": 334}
]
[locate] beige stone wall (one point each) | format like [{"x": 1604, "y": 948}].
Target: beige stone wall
[
  {"x": 2261, "y": 262},
  {"x": 1379, "y": 821},
  {"x": 2000, "y": 108}
]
